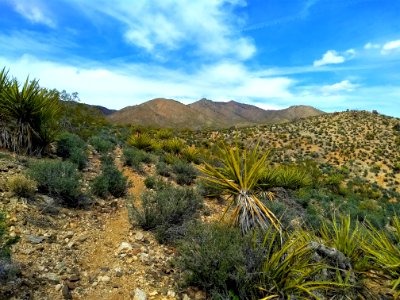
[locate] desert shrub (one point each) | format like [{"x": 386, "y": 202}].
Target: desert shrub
[
  {"x": 166, "y": 209},
  {"x": 57, "y": 178},
  {"x": 110, "y": 181},
  {"x": 163, "y": 169},
  {"x": 218, "y": 259},
  {"x": 22, "y": 186},
  {"x": 135, "y": 157},
  {"x": 154, "y": 182},
  {"x": 185, "y": 173},
  {"x": 6, "y": 267},
  {"x": 99, "y": 186},
  {"x": 71, "y": 146},
  {"x": 101, "y": 144}
]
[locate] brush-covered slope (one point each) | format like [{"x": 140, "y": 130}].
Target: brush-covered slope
[
  {"x": 359, "y": 143},
  {"x": 205, "y": 114}
]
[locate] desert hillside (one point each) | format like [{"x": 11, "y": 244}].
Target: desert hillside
[{"x": 360, "y": 143}]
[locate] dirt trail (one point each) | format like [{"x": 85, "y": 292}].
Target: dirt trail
[{"x": 120, "y": 259}]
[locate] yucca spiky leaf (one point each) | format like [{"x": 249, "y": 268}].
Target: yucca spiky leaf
[{"x": 238, "y": 177}]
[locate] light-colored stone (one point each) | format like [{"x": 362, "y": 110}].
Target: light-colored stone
[
  {"x": 139, "y": 295},
  {"x": 124, "y": 246},
  {"x": 139, "y": 236}
]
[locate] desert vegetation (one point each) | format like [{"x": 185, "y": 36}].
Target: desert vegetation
[{"x": 299, "y": 210}]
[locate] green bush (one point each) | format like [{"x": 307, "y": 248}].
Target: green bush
[
  {"x": 185, "y": 173},
  {"x": 135, "y": 157},
  {"x": 101, "y": 144},
  {"x": 154, "y": 182},
  {"x": 163, "y": 169},
  {"x": 220, "y": 260},
  {"x": 167, "y": 209},
  {"x": 110, "y": 181},
  {"x": 71, "y": 146},
  {"x": 21, "y": 186},
  {"x": 57, "y": 178}
]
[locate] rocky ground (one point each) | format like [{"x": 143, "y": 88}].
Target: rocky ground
[{"x": 90, "y": 253}]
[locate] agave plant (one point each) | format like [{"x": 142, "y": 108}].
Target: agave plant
[
  {"x": 383, "y": 250},
  {"x": 29, "y": 114},
  {"x": 288, "y": 270},
  {"x": 238, "y": 177}
]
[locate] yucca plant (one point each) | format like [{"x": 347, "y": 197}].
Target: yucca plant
[
  {"x": 382, "y": 248},
  {"x": 237, "y": 177},
  {"x": 288, "y": 269},
  {"x": 348, "y": 237},
  {"x": 30, "y": 113},
  {"x": 345, "y": 237},
  {"x": 143, "y": 141},
  {"x": 173, "y": 146}
]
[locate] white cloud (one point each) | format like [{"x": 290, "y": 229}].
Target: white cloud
[
  {"x": 117, "y": 87},
  {"x": 390, "y": 47},
  {"x": 330, "y": 57},
  {"x": 204, "y": 27},
  {"x": 343, "y": 86},
  {"x": 371, "y": 46},
  {"x": 34, "y": 11}
]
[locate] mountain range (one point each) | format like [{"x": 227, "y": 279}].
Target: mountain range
[{"x": 161, "y": 112}]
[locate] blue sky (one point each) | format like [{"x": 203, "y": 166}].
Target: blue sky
[{"x": 331, "y": 54}]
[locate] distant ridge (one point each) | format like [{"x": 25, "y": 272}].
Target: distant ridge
[{"x": 161, "y": 112}]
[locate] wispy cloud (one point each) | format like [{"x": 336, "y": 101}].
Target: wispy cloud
[
  {"x": 33, "y": 10},
  {"x": 391, "y": 47},
  {"x": 343, "y": 86},
  {"x": 120, "y": 86},
  {"x": 205, "y": 27},
  {"x": 371, "y": 46},
  {"x": 330, "y": 57}
]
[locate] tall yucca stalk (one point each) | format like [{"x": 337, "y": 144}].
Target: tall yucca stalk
[
  {"x": 238, "y": 177},
  {"x": 31, "y": 113}
]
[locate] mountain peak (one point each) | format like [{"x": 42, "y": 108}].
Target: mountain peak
[{"x": 205, "y": 113}]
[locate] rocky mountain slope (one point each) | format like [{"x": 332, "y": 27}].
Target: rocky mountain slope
[{"x": 205, "y": 114}]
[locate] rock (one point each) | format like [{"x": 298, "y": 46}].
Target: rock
[
  {"x": 171, "y": 294},
  {"x": 58, "y": 287},
  {"x": 185, "y": 297},
  {"x": 144, "y": 257},
  {"x": 69, "y": 234},
  {"x": 139, "y": 236},
  {"x": 52, "y": 277},
  {"x": 118, "y": 272},
  {"x": 139, "y": 295},
  {"x": 124, "y": 246},
  {"x": 35, "y": 239},
  {"x": 104, "y": 278},
  {"x": 74, "y": 277},
  {"x": 66, "y": 292}
]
